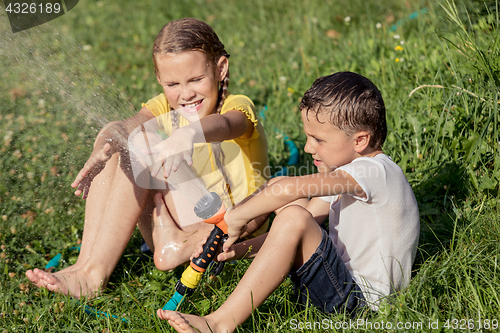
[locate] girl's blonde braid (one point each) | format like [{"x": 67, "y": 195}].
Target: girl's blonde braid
[{"x": 219, "y": 155}]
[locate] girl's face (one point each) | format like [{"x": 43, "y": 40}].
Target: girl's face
[
  {"x": 330, "y": 147},
  {"x": 190, "y": 82}
]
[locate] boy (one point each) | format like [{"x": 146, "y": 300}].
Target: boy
[{"x": 373, "y": 215}]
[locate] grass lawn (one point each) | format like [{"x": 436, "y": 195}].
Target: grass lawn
[{"x": 437, "y": 64}]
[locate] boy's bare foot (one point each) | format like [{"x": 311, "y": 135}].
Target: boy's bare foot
[
  {"x": 76, "y": 283},
  {"x": 173, "y": 246},
  {"x": 185, "y": 323}
]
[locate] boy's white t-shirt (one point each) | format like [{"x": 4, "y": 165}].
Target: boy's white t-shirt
[{"x": 376, "y": 236}]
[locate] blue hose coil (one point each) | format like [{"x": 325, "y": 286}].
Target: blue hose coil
[
  {"x": 292, "y": 160},
  {"x": 294, "y": 157},
  {"x": 101, "y": 314},
  {"x": 412, "y": 16},
  {"x": 54, "y": 262},
  {"x": 294, "y": 152}
]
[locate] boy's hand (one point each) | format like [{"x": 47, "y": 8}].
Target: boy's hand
[
  {"x": 94, "y": 165},
  {"x": 198, "y": 249},
  {"x": 235, "y": 228},
  {"x": 219, "y": 256},
  {"x": 230, "y": 254}
]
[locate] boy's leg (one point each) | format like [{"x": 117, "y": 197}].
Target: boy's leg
[
  {"x": 292, "y": 240},
  {"x": 112, "y": 209}
]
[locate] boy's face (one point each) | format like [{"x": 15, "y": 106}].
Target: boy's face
[{"x": 329, "y": 146}]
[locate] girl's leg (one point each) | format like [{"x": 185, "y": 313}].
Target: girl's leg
[
  {"x": 112, "y": 209},
  {"x": 171, "y": 244},
  {"x": 292, "y": 240}
]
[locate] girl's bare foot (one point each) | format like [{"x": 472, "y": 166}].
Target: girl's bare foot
[
  {"x": 76, "y": 283},
  {"x": 173, "y": 246}
]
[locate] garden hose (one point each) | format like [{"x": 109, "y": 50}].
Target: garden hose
[{"x": 191, "y": 277}]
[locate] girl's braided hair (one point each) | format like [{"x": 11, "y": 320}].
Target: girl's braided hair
[{"x": 190, "y": 34}]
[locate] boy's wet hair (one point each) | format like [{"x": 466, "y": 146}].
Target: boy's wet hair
[{"x": 353, "y": 102}]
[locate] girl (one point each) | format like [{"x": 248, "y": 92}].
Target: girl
[{"x": 192, "y": 66}]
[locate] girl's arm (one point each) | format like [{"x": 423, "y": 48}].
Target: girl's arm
[
  {"x": 111, "y": 139},
  {"x": 230, "y": 125},
  {"x": 218, "y": 127},
  {"x": 116, "y": 133},
  {"x": 212, "y": 128},
  {"x": 284, "y": 191}
]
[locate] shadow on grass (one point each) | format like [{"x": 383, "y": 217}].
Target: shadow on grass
[{"x": 438, "y": 197}]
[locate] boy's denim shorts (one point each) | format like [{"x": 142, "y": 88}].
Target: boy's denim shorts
[{"x": 325, "y": 282}]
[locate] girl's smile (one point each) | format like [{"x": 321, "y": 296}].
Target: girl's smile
[
  {"x": 190, "y": 111},
  {"x": 193, "y": 107}
]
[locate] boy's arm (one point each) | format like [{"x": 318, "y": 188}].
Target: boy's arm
[
  {"x": 319, "y": 209},
  {"x": 243, "y": 250},
  {"x": 249, "y": 248},
  {"x": 284, "y": 191}
]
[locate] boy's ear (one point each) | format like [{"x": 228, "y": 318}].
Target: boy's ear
[
  {"x": 362, "y": 141},
  {"x": 222, "y": 68}
]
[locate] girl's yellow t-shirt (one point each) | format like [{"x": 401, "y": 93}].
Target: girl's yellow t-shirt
[{"x": 245, "y": 159}]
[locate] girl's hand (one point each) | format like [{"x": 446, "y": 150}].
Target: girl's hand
[
  {"x": 235, "y": 228},
  {"x": 171, "y": 152},
  {"x": 140, "y": 145},
  {"x": 94, "y": 165}
]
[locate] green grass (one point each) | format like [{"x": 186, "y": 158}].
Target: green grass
[{"x": 63, "y": 80}]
